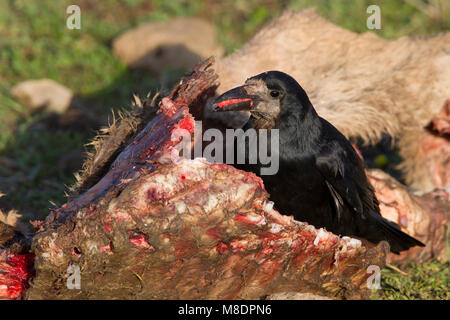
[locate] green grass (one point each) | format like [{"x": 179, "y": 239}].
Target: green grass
[
  {"x": 34, "y": 43},
  {"x": 425, "y": 281}
]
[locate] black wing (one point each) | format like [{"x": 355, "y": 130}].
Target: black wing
[
  {"x": 344, "y": 174},
  {"x": 346, "y": 179}
]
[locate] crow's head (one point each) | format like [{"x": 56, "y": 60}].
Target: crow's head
[{"x": 266, "y": 96}]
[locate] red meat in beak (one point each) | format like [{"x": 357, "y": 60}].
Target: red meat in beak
[{"x": 235, "y": 99}]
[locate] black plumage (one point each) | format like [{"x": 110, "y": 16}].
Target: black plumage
[{"x": 321, "y": 179}]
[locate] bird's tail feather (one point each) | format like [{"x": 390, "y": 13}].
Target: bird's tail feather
[{"x": 398, "y": 240}]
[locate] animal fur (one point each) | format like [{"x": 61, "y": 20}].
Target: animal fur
[
  {"x": 111, "y": 140},
  {"x": 13, "y": 232},
  {"x": 364, "y": 85}
]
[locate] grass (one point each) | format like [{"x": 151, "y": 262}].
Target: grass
[
  {"x": 34, "y": 43},
  {"x": 425, "y": 281}
]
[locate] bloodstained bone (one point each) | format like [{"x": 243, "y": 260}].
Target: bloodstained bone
[
  {"x": 425, "y": 217},
  {"x": 15, "y": 271},
  {"x": 196, "y": 239},
  {"x": 435, "y": 148}
]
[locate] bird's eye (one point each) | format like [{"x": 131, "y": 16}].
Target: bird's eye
[{"x": 274, "y": 93}]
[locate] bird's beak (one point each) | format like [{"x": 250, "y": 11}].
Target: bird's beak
[{"x": 235, "y": 99}]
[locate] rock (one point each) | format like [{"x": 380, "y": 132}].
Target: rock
[
  {"x": 43, "y": 94},
  {"x": 177, "y": 44}
]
